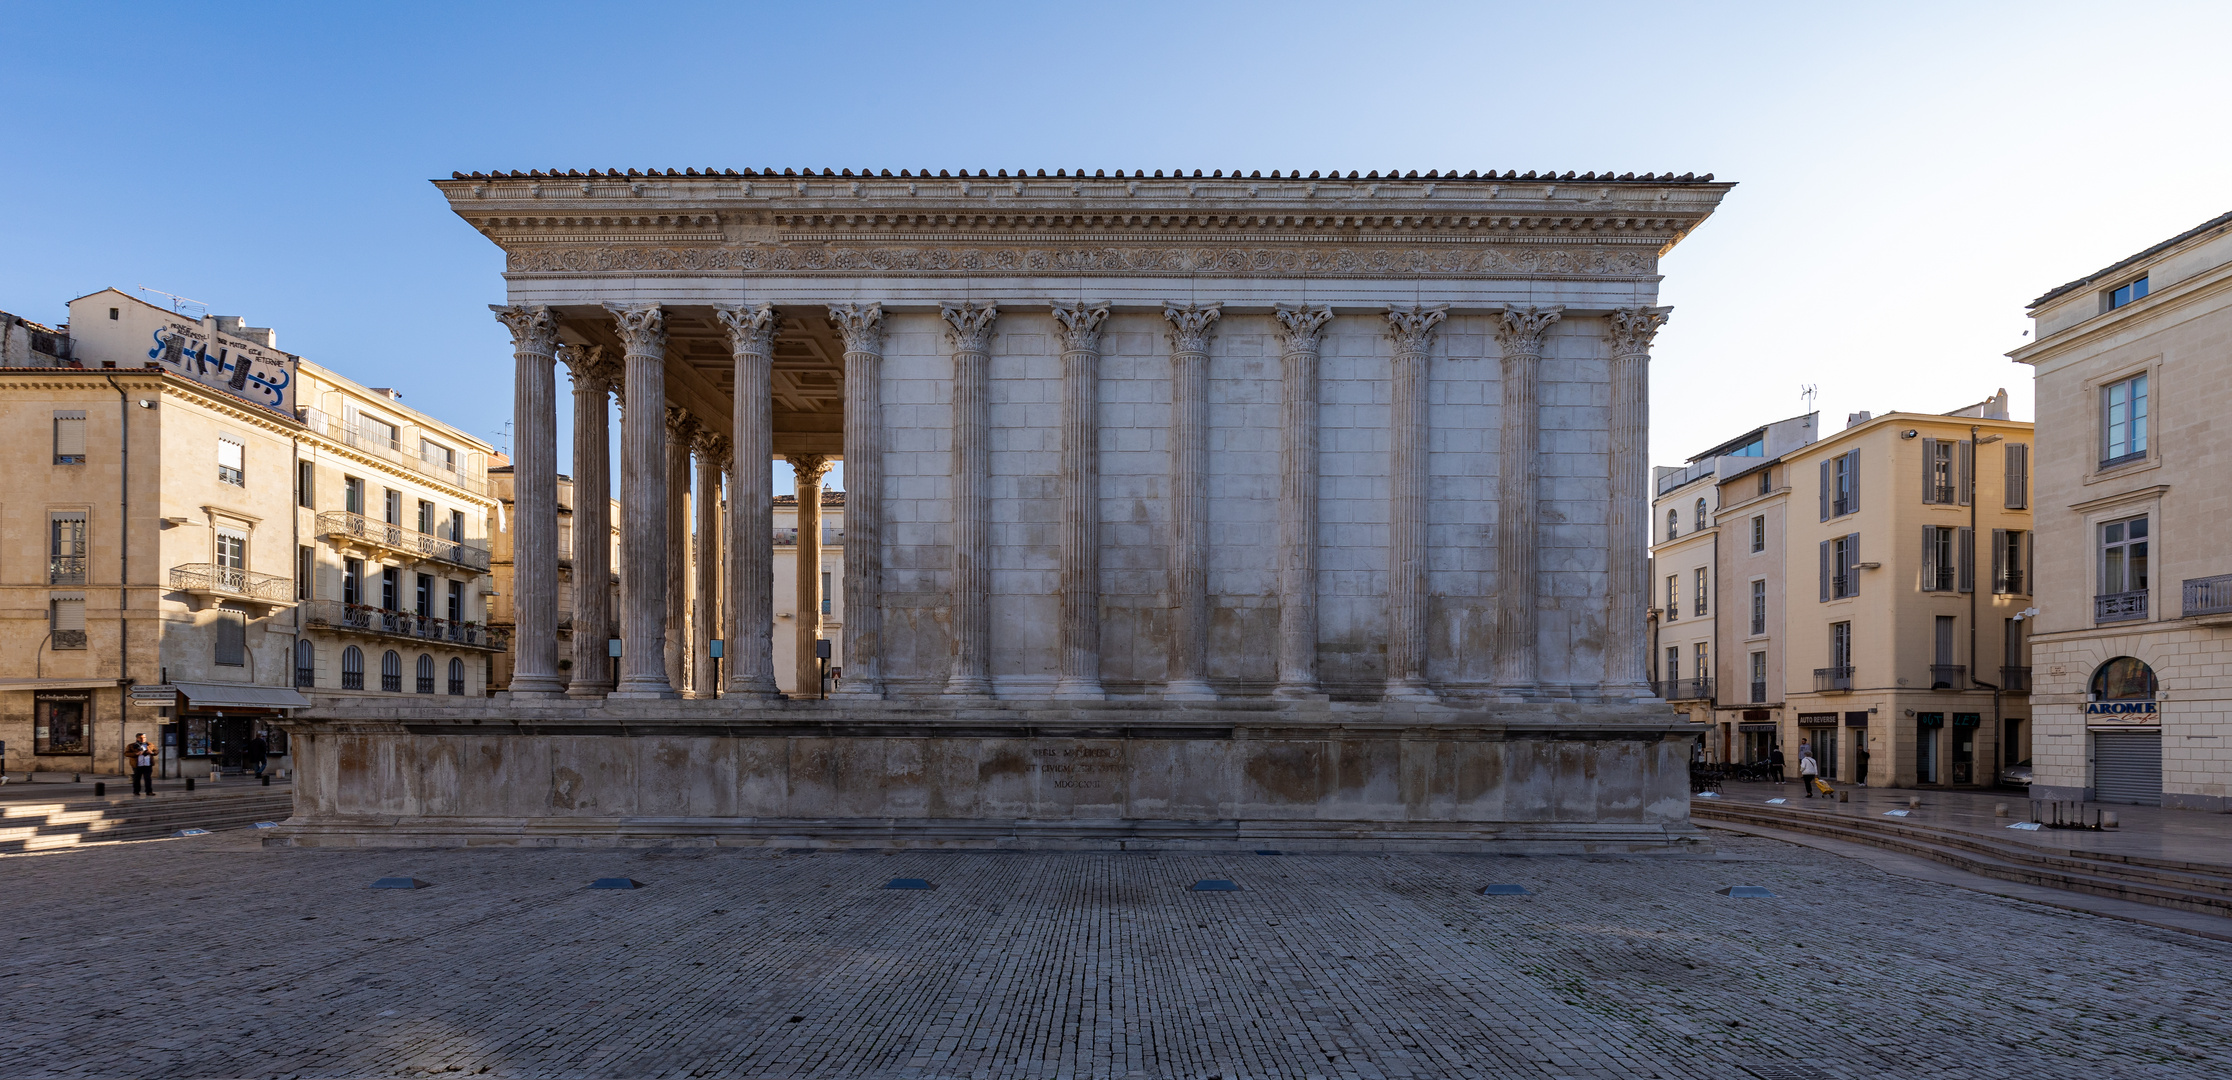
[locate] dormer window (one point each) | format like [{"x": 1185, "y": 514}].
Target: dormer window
[{"x": 2124, "y": 294}]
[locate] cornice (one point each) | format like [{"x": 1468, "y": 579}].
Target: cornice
[
  {"x": 2175, "y": 303},
  {"x": 2121, "y": 498}
]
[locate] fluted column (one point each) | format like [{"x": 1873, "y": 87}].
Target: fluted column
[
  {"x": 534, "y": 331},
  {"x": 712, "y": 461},
  {"x": 1080, "y": 326},
  {"x": 863, "y": 328},
  {"x": 643, "y": 510},
  {"x": 681, "y": 432},
  {"x": 808, "y": 470},
  {"x": 1190, "y": 326},
  {"x": 1627, "y": 514},
  {"x": 1300, "y": 333},
  {"x": 1412, "y": 330},
  {"x": 751, "y": 540},
  {"x": 1519, "y": 330},
  {"x": 969, "y": 329},
  {"x": 592, "y": 549}
]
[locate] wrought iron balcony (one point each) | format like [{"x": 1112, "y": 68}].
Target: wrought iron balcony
[
  {"x": 227, "y": 583},
  {"x": 358, "y": 618},
  {"x": 1828, "y": 679},
  {"x": 1758, "y": 693},
  {"x": 1951, "y": 675},
  {"x": 2120, "y": 607},
  {"x": 344, "y": 527},
  {"x": 376, "y": 442},
  {"x": 2017, "y": 679},
  {"x": 2208, "y": 595},
  {"x": 1689, "y": 690},
  {"x": 66, "y": 570}
]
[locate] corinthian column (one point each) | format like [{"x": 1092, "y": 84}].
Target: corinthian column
[
  {"x": 808, "y": 470},
  {"x": 1189, "y": 495},
  {"x": 681, "y": 432},
  {"x": 1519, "y": 330},
  {"x": 1412, "y": 330},
  {"x": 712, "y": 461},
  {"x": 969, "y": 328},
  {"x": 1627, "y": 532},
  {"x": 863, "y": 329},
  {"x": 592, "y": 554},
  {"x": 1300, "y": 331},
  {"x": 1080, "y": 526},
  {"x": 751, "y": 552},
  {"x": 643, "y": 507},
  {"x": 534, "y": 333}
]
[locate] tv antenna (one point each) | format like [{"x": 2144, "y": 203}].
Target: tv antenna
[
  {"x": 178, "y": 304},
  {"x": 1807, "y": 392},
  {"x": 502, "y": 438}
]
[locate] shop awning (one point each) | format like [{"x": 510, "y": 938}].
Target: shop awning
[{"x": 203, "y": 695}]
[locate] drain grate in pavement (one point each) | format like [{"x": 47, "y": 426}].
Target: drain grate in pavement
[
  {"x": 399, "y": 883},
  {"x": 1505, "y": 889},
  {"x": 615, "y": 883},
  {"x": 908, "y": 883},
  {"x": 1214, "y": 885}
]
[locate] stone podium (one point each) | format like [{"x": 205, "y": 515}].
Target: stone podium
[{"x": 1181, "y": 511}]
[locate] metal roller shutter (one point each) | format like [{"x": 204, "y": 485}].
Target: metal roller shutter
[{"x": 2127, "y": 767}]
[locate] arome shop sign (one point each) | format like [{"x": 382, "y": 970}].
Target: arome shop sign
[{"x": 2122, "y": 712}]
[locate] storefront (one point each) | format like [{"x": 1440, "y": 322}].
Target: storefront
[
  {"x": 1819, "y": 732},
  {"x": 1856, "y": 727},
  {"x": 56, "y": 725},
  {"x": 1758, "y": 737},
  {"x": 2124, "y": 722},
  {"x": 217, "y": 725}
]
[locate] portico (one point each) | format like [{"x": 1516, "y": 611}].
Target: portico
[{"x": 1197, "y": 464}]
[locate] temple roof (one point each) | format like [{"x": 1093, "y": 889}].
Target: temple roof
[{"x": 1296, "y": 174}]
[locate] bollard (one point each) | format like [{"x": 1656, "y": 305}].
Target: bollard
[
  {"x": 1914, "y": 801},
  {"x": 267, "y": 780},
  {"x": 1845, "y": 795},
  {"x": 99, "y": 789},
  {"x": 2107, "y": 820},
  {"x": 1999, "y": 810},
  {"x": 189, "y": 783}
]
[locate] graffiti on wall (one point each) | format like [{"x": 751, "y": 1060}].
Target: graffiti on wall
[{"x": 221, "y": 361}]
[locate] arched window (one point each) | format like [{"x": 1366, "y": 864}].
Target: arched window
[
  {"x": 391, "y": 672},
  {"x": 457, "y": 677},
  {"x": 2124, "y": 678},
  {"x": 352, "y": 668},
  {"x": 1673, "y": 523},
  {"x": 306, "y": 664},
  {"x": 425, "y": 674},
  {"x": 1698, "y": 523}
]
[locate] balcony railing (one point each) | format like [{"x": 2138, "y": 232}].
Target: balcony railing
[
  {"x": 306, "y": 677},
  {"x": 2120, "y": 607},
  {"x": 335, "y": 615},
  {"x": 457, "y": 687},
  {"x": 212, "y": 578},
  {"x": 1828, "y": 679},
  {"x": 2010, "y": 581},
  {"x": 67, "y": 640},
  {"x": 2208, "y": 595},
  {"x": 1952, "y": 675},
  {"x": 1758, "y": 693},
  {"x": 66, "y": 570},
  {"x": 376, "y": 442},
  {"x": 1674, "y": 480},
  {"x": 344, "y": 526},
  {"x": 1689, "y": 690},
  {"x": 2016, "y": 679},
  {"x": 789, "y": 537}
]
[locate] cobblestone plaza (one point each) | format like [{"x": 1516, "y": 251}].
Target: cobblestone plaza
[{"x": 215, "y": 957}]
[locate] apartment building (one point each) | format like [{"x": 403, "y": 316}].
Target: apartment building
[
  {"x": 812, "y": 607},
  {"x": 1886, "y": 633},
  {"x": 500, "y": 568},
  {"x": 1710, "y": 658},
  {"x": 225, "y": 527},
  {"x": 2133, "y": 641}
]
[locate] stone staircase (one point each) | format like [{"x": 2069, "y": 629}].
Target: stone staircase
[
  {"x": 28, "y": 823},
  {"x": 2165, "y": 883}
]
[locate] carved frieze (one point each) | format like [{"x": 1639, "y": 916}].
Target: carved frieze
[{"x": 1346, "y": 260}]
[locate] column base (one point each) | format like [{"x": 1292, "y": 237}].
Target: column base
[
  {"x": 968, "y": 688},
  {"x": 1410, "y": 689},
  {"x": 1074, "y": 689},
  {"x": 1299, "y": 692},
  {"x": 1188, "y": 690},
  {"x": 578, "y": 691},
  {"x": 552, "y": 694},
  {"x": 1635, "y": 693},
  {"x": 658, "y": 691},
  {"x": 854, "y": 692}
]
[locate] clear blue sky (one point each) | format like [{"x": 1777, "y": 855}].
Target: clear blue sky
[{"x": 1910, "y": 175}]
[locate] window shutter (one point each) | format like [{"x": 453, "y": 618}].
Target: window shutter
[
  {"x": 69, "y": 615},
  {"x": 232, "y": 636},
  {"x": 1852, "y": 477},
  {"x": 1852, "y": 559},
  {"x": 1967, "y": 472},
  {"x": 1929, "y": 558},
  {"x": 2018, "y": 476},
  {"x": 1929, "y": 471},
  {"x": 2030, "y": 564},
  {"x": 69, "y": 433},
  {"x": 1825, "y": 571},
  {"x": 1966, "y": 538},
  {"x": 1826, "y": 480},
  {"x": 1999, "y": 560},
  {"x": 228, "y": 454}
]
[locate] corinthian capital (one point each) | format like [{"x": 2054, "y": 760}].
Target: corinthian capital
[
  {"x": 712, "y": 447},
  {"x": 1413, "y": 327},
  {"x": 1081, "y": 325},
  {"x": 591, "y": 369},
  {"x": 750, "y": 333},
  {"x": 534, "y": 328},
  {"x": 808, "y": 468},
  {"x": 681, "y": 426},
  {"x": 1190, "y": 325},
  {"x": 969, "y": 326},
  {"x": 1301, "y": 324},
  {"x": 1520, "y": 329},
  {"x": 1634, "y": 328},
  {"x": 861, "y": 325},
  {"x": 642, "y": 328}
]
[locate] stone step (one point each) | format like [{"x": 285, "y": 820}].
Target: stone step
[
  {"x": 40, "y": 826},
  {"x": 2073, "y": 871}
]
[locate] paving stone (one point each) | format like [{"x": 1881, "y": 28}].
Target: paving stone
[{"x": 214, "y": 957}]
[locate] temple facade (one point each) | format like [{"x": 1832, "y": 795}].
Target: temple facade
[{"x": 1178, "y": 509}]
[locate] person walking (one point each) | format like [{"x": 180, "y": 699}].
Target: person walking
[
  {"x": 142, "y": 756},
  {"x": 1809, "y": 771},
  {"x": 259, "y": 752},
  {"x": 1775, "y": 762}
]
